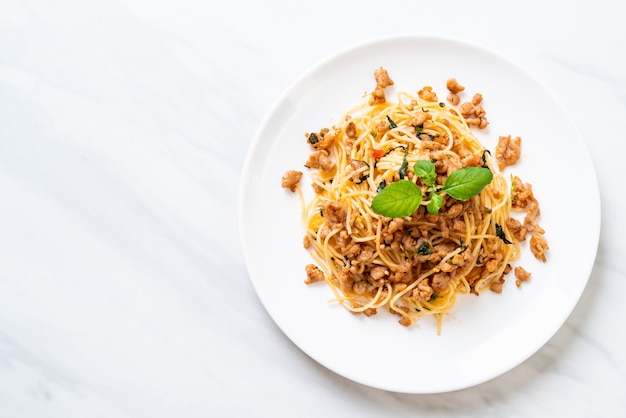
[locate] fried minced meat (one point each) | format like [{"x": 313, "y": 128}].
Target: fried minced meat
[
  {"x": 382, "y": 81},
  {"x": 508, "y": 151},
  {"x": 291, "y": 179}
]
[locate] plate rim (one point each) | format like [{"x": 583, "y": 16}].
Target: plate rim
[{"x": 419, "y": 37}]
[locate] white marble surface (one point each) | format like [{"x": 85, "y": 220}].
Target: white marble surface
[{"x": 123, "y": 128}]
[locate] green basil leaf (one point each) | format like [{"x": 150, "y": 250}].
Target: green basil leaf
[
  {"x": 405, "y": 164},
  {"x": 424, "y": 249},
  {"x": 398, "y": 199},
  {"x": 426, "y": 170},
  {"x": 500, "y": 234},
  {"x": 467, "y": 182},
  {"x": 403, "y": 168},
  {"x": 436, "y": 201}
]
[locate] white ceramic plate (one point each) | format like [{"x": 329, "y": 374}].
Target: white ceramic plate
[{"x": 485, "y": 336}]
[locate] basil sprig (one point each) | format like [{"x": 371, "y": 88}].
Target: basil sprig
[
  {"x": 403, "y": 197},
  {"x": 426, "y": 170}
]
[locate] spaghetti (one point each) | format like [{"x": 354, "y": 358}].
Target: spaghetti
[{"x": 413, "y": 265}]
